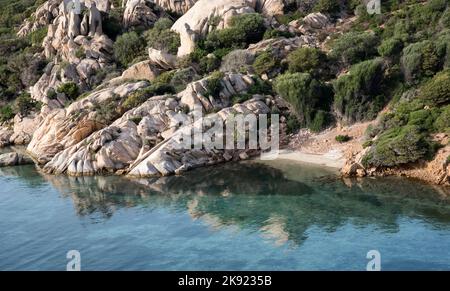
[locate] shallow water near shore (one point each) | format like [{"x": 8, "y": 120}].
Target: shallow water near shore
[{"x": 276, "y": 215}]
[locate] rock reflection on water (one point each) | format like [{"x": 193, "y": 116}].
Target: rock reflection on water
[{"x": 279, "y": 202}]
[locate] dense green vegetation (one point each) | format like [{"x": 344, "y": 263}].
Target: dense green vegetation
[
  {"x": 310, "y": 98},
  {"x": 19, "y": 67}
]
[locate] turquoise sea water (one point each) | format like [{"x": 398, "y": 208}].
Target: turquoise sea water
[{"x": 246, "y": 216}]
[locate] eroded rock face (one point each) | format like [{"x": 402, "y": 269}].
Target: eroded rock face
[
  {"x": 316, "y": 21},
  {"x": 195, "y": 24},
  {"x": 270, "y": 7},
  {"x": 14, "y": 159},
  {"x": 140, "y": 13},
  {"x": 169, "y": 157},
  {"x": 150, "y": 128},
  {"x": 24, "y": 127},
  {"x": 63, "y": 128},
  {"x": 76, "y": 44},
  {"x": 43, "y": 16},
  {"x": 162, "y": 59},
  {"x": 176, "y": 6}
]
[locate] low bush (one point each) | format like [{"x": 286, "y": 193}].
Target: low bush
[
  {"x": 265, "y": 62},
  {"x": 24, "y": 104},
  {"x": 244, "y": 29},
  {"x": 327, "y": 6},
  {"x": 69, "y": 89},
  {"x": 6, "y": 113},
  {"x": 342, "y": 138},
  {"x": 306, "y": 60},
  {"x": 390, "y": 47},
  {"x": 442, "y": 123}
]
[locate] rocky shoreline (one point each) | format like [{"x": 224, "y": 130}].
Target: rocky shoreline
[{"x": 99, "y": 114}]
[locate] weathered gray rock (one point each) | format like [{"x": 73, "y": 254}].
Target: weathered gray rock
[
  {"x": 5, "y": 135},
  {"x": 162, "y": 59},
  {"x": 141, "y": 13},
  {"x": 169, "y": 157},
  {"x": 144, "y": 70},
  {"x": 43, "y": 16},
  {"x": 14, "y": 159},
  {"x": 177, "y": 6},
  {"x": 316, "y": 21},
  {"x": 195, "y": 24}
]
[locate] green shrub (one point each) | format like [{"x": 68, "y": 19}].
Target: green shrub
[
  {"x": 70, "y": 90},
  {"x": 327, "y": 6},
  {"x": 367, "y": 144},
  {"x": 128, "y": 47},
  {"x": 292, "y": 124},
  {"x": 160, "y": 37},
  {"x": 80, "y": 53},
  {"x": 306, "y": 60},
  {"x": 24, "y": 104},
  {"x": 358, "y": 95},
  {"x": 354, "y": 47},
  {"x": 274, "y": 33},
  {"x": 442, "y": 123},
  {"x": 136, "y": 119},
  {"x": 307, "y": 95},
  {"x": 51, "y": 94},
  {"x": 420, "y": 60},
  {"x": 260, "y": 87},
  {"x": 437, "y": 91},
  {"x": 6, "y": 113},
  {"x": 342, "y": 138},
  {"x": 398, "y": 146},
  {"x": 390, "y": 47},
  {"x": 215, "y": 84},
  {"x": 244, "y": 29},
  {"x": 37, "y": 36},
  {"x": 265, "y": 62},
  {"x": 321, "y": 120}
]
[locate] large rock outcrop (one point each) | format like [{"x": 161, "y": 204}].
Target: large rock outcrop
[
  {"x": 144, "y": 134},
  {"x": 66, "y": 127}
]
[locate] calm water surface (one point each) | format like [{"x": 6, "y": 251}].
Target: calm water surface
[{"x": 246, "y": 216}]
